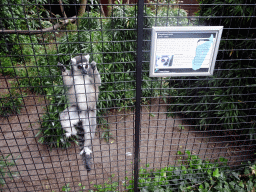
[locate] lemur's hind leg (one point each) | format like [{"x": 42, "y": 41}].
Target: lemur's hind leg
[
  {"x": 69, "y": 118},
  {"x": 89, "y": 128},
  {"x": 86, "y": 158}
]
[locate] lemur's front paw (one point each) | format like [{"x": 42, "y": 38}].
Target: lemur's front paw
[
  {"x": 61, "y": 66},
  {"x": 68, "y": 134},
  {"x": 93, "y": 64}
]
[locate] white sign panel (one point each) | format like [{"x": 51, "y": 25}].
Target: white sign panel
[{"x": 184, "y": 51}]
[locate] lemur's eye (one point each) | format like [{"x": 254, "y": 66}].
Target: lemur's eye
[
  {"x": 86, "y": 66},
  {"x": 79, "y": 67}
]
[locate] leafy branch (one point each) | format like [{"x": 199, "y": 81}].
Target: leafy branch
[{"x": 49, "y": 29}]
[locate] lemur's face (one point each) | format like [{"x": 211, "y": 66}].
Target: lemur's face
[{"x": 80, "y": 63}]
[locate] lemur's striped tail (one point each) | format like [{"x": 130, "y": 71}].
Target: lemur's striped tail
[{"x": 81, "y": 140}]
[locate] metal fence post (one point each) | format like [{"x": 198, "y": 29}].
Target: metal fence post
[{"x": 138, "y": 90}]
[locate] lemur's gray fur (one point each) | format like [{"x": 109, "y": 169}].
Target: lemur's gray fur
[{"x": 83, "y": 81}]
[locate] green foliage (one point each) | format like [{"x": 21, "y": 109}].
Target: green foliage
[
  {"x": 81, "y": 186},
  {"x": 105, "y": 132},
  {"x": 41, "y": 73},
  {"x": 10, "y": 103},
  {"x": 195, "y": 174},
  {"x": 33, "y": 63},
  {"x": 20, "y": 15},
  {"x": 66, "y": 188},
  {"x": 224, "y": 100},
  {"x": 107, "y": 186},
  {"x": 7, "y": 66},
  {"x": 5, "y": 172},
  {"x": 167, "y": 16},
  {"x": 51, "y": 132},
  {"x": 189, "y": 174},
  {"x": 244, "y": 11}
]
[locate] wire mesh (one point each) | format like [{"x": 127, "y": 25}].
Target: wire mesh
[{"x": 148, "y": 129}]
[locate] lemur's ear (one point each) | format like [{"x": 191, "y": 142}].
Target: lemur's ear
[
  {"x": 87, "y": 57},
  {"x": 73, "y": 61}
]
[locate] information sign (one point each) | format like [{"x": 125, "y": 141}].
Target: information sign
[{"x": 184, "y": 51}]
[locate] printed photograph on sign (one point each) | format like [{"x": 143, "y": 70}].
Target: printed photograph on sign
[
  {"x": 163, "y": 62},
  {"x": 183, "y": 51}
]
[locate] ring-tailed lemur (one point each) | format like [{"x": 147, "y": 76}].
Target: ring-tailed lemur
[{"x": 83, "y": 81}]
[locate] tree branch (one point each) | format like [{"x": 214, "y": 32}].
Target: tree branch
[
  {"x": 49, "y": 29},
  {"x": 82, "y": 8},
  {"x": 62, "y": 9},
  {"x": 101, "y": 8}
]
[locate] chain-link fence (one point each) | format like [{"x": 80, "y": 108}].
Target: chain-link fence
[{"x": 153, "y": 134}]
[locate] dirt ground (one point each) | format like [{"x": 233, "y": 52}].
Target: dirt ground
[{"x": 44, "y": 169}]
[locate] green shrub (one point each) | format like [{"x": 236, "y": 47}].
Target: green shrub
[
  {"x": 194, "y": 174},
  {"x": 190, "y": 173},
  {"x": 7, "y": 66},
  {"x": 11, "y": 103},
  {"x": 227, "y": 99},
  {"x": 5, "y": 172},
  {"x": 21, "y": 15},
  {"x": 51, "y": 132},
  {"x": 107, "y": 186},
  {"x": 41, "y": 74}
]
